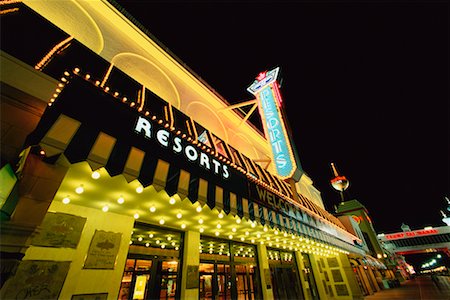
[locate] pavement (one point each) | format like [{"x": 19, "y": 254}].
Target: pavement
[{"x": 420, "y": 288}]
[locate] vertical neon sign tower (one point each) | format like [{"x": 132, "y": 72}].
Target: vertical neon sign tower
[{"x": 265, "y": 88}]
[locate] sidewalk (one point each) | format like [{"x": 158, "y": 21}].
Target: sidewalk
[{"x": 420, "y": 288}]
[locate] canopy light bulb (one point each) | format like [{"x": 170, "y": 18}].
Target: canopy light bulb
[
  {"x": 179, "y": 215},
  {"x": 161, "y": 221},
  {"x": 136, "y": 216},
  {"x": 172, "y": 201},
  {"x": 105, "y": 208},
  {"x": 79, "y": 189},
  {"x": 66, "y": 200},
  {"x": 152, "y": 208},
  {"x": 120, "y": 200},
  {"x": 198, "y": 209},
  {"x": 95, "y": 175},
  {"x": 139, "y": 189}
]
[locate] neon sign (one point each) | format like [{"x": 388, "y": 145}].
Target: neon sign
[
  {"x": 408, "y": 234},
  {"x": 166, "y": 140},
  {"x": 265, "y": 88}
]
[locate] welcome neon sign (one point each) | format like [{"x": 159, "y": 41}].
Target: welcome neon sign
[{"x": 265, "y": 88}]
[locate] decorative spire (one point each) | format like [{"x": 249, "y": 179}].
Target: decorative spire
[{"x": 339, "y": 182}]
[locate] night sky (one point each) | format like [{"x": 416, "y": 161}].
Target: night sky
[{"x": 365, "y": 85}]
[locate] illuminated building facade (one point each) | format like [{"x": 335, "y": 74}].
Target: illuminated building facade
[
  {"x": 376, "y": 268},
  {"x": 126, "y": 176}
]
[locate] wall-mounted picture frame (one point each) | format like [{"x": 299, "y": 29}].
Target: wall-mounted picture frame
[
  {"x": 59, "y": 230},
  {"x": 103, "y": 250},
  {"x": 36, "y": 279}
]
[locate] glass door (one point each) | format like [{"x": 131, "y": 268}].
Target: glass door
[
  {"x": 215, "y": 281},
  {"x": 149, "y": 279},
  {"x": 284, "y": 275},
  {"x": 166, "y": 278},
  {"x": 223, "y": 281},
  {"x": 245, "y": 281},
  {"x": 135, "y": 279},
  {"x": 206, "y": 272},
  {"x": 285, "y": 283}
]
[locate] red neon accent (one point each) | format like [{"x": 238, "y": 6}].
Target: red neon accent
[
  {"x": 401, "y": 235},
  {"x": 261, "y": 76},
  {"x": 277, "y": 93},
  {"x": 445, "y": 250},
  {"x": 338, "y": 178}
]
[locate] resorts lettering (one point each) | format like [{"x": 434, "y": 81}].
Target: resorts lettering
[
  {"x": 275, "y": 133},
  {"x": 163, "y": 137}
]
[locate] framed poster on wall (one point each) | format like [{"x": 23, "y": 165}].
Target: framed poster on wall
[
  {"x": 103, "y": 250},
  {"x": 59, "y": 230},
  {"x": 36, "y": 279}
]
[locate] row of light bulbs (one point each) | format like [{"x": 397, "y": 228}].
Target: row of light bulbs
[{"x": 96, "y": 175}]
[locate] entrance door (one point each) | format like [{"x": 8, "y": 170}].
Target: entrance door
[
  {"x": 215, "y": 281},
  {"x": 246, "y": 281},
  {"x": 149, "y": 279},
  {"x": 285, "y": 282}
]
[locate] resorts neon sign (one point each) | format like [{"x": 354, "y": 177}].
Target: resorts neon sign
[
  {"x": 163, "y": 137},
  {"x": 265, "y": 88}
]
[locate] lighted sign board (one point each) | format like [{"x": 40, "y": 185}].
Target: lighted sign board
[
  {"x": 265, "y": 88},
  {"x": 409, "y": 234},
  {"x": 167, "y": 140}
]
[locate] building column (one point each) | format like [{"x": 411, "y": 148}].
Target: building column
[
  {"x": 374, "y": 280},
  {"x": 316, "y": 275},
  {"x": 365, "y": 279},
  {"x": 38, "y": 185},
  {"x": 301, "y": 273},
  {"x": 191, "y": 262},
  {"x": 264, "y": 272}
]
